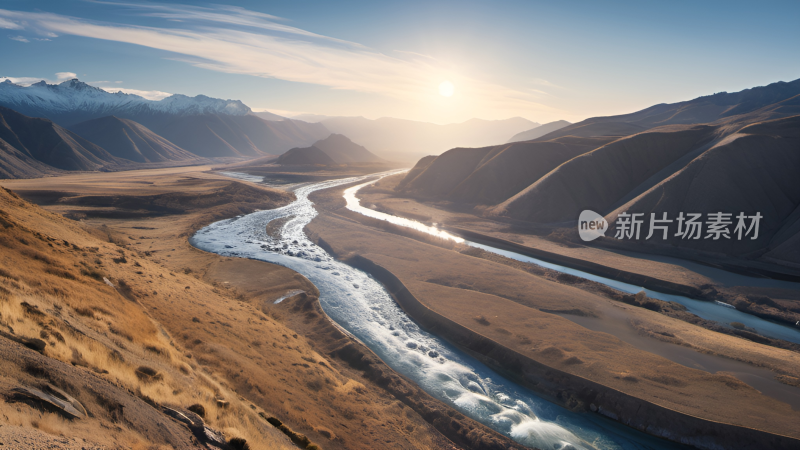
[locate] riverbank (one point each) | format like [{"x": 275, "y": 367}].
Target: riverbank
[
  {"x": 774, "y": 300},
  {"x": 571, "y": 391},
  {"x": 702, "y": 396}
]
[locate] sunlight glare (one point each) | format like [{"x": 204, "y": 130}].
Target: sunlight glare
[{"x": 446, "y": 89}]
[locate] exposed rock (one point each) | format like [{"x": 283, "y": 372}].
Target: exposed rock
[{"x": 56, "y": 399}]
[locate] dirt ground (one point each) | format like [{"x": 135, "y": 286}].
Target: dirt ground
[
  {"x": 513, "y": 301},
  {"x": 714, "y": 283}
]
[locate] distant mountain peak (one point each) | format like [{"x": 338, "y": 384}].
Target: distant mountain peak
[
  {"x": 73, "y": 101},
  {"x": 73, "y": 83}
]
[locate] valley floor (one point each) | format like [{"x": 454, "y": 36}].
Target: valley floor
[
  {"x": 512, "y": 306},
  {"x": 287, "y": 361},
  {"x": 703, "y": 279}
]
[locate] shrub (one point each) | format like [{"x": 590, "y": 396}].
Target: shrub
[
  {"x": 482, "y": 320},
  {"x": 239, "y": 444},
  {"x": 198, "y": 409},
  {"x": 737, "y": 325},
  {"x": 92, "y": 273},
  {"x": 147, "y": 374},
  {"x": 85, "y": 312}
]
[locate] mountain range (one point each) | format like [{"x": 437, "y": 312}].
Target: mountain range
[
  {"x": 74, "y": 101},
  {"x": 201, "y": 125},
  {"x": 728, "y": 152},
  {"x": 393, "y": 138}
]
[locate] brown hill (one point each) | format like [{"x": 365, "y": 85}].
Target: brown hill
[
  {"x": 597, "y": 179},
  {"x": 344, "y": 151},
  {"x": 596, "y": 129},
  {"x": 418, "y": 168},
  {"x": 492, "y": 174},
  {"x": 127, "y": 139},
  {"x": 48, "y": 143},
  {"x": 706, "y": 109},
  {"x": 511, "y": 168},
  {"x": 308, "y": 156},
  {"x": 446, "y": 172},
  {"x": 16, "y": 164},
  {"x": 539, "y": 131},
  {"x": 74, "y": 323},
  {"x": 752, "y": 171}
]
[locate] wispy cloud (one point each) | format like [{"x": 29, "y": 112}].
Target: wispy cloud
[
  {"x": 61, "y": 76},
  {"x": 9, "y": 25},
  {"x": 150, "y": 95},
  {"x": 27, "y": 81},
  {"x": 234, "y": 40},
  {"x": 226, "y": 15},
  {"x": 18, "y": 38},
  {"x": 104, "y": 85}
]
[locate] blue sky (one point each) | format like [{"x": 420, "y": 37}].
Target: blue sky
[{"x": 540, "y": 60}]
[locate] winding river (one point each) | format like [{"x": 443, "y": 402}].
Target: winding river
[{"x": 362, "y": 307}]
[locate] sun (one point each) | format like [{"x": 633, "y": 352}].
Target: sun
[{"x": 446, "y": 89}]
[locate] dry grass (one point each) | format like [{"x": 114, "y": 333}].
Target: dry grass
[{"x": 49, "y": 289}]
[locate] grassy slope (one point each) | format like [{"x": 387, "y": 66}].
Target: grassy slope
[{"x": 56, "y": 267}]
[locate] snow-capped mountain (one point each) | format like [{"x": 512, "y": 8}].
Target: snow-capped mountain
[
  {"x": 205, "y": 126},
  {"x": 74, "y": 101}
]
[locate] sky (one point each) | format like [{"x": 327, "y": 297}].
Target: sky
[{"x": 544, "y": 61}]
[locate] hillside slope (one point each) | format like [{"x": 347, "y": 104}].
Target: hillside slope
[
  {"x": 539, "y": 131},
  {"x": 597, "y": 179},
  {"x": 48, "y": 143},
  {"x": 335, "y": 149},
  {"x": 344, "y": 151},
  {"x": 213, "y": 135},
  {"x": 16, "y": 164},
  {"x": 127, "y": 139},
  {"x": 493, "y": 174},
  {"x": 752, "y": 171},
  {"x": 705, "y": 109},
  {"x": 72, "y": 323},
  {"x": 307, "y": 156}
]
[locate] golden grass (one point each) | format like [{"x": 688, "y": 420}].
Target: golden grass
[{"x": 48, "y": 291}]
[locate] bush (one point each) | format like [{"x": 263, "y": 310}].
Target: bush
[
  {"x": 737, "y": 325},
  {"x": 92, "y": 273},
  {"x": 147, "y": 374},
  {"x": 239, "y": 444},
  {"x": 200, "y": 410},
  {"x": 482, "y": 320}
]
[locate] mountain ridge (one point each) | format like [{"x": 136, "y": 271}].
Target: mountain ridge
[
  {"x": 390, "y": 137},
  {"x": 50, "y": 144},
  {"x": 745, "y": 162},
  {"x": 335, "y": 149},
  {"x": 205, "y": 126},
  {"x": 130, "y": 140}
]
